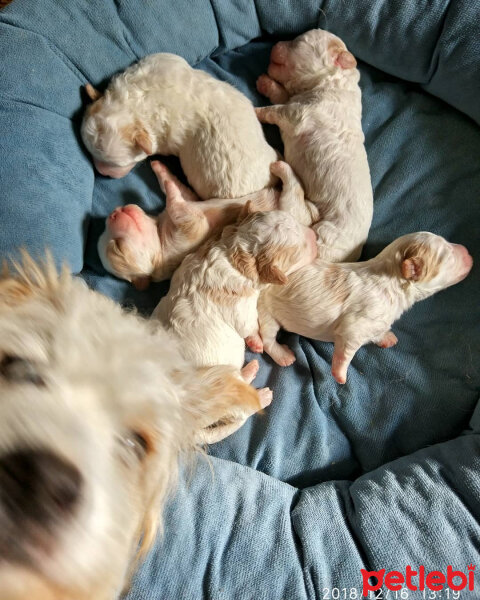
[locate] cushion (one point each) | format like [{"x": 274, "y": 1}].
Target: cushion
[{"x": 379, "y": 473}]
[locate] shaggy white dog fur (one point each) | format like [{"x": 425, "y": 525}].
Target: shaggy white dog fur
[
  {"x": 314, "y": 83},
  {"x": 97, "y": 406},
  {"x": 141, "y": 248},
  {"x": 162, "y": 106},
  {"x": 212, "y": 302},
  {"x": 352, "y": 304}
]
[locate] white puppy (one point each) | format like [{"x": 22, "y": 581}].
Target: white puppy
[
  {"x": 97, "y": 405},
  {"x": 140, "y": 248},
  {"x": 162, "y": 106},
  {"x": 314, "y": 83},
  {"x": 212, "y": 302},
  {"x": 352, "y": 304}
]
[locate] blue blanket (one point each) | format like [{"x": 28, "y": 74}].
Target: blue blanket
[{"x": 381, "y": 473}]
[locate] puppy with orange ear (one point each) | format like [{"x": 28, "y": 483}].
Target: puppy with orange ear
[
  {"x": 161, "y": 105},
  {"x": 352, "y": 304},
  {"x": 313, "y": 83},
  {"x": 212, "y": 303},
  {"x": 140, "y": 248}
]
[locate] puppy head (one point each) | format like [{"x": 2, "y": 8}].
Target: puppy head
[
  {"x": 428, "y": 262},
  {"x": 266, "y": 247},
  {"x": 300, "y": 64},
  {"x": 130, "y": 248},
  {"x": 114, "y": 136}
]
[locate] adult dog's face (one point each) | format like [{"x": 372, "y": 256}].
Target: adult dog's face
[{"x": 91, "y": 424}]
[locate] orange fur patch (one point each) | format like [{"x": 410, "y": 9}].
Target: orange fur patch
[{"x": 419, "y": 263}]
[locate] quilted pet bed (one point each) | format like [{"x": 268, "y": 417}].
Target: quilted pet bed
[{"x": 380, "y": 473}]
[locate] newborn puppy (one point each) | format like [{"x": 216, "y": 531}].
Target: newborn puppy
[
  {"x": 352, "y": 304},
  {"x": 97, "y": 406},
  {"x": 314, "y": 84},
  {"x": 162, "y": 106},
  {"x": 212, "y": 302},
  {"x": 141, "y": 248}
]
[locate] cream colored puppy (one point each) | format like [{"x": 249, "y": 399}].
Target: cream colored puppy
[
  {"x": 162, "y": 106},
  {"x": 97, "y": 406},
  {"x": 141, "y": 248},
  {"x": 212, "y": 302},
  {"x": 352, "y": 304},
  {"x": 318, "y": 107}
]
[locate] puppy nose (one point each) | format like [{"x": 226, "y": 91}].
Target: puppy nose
[
  {"x": 464, "y": 255},
  {"x": 38, "y": 486}
]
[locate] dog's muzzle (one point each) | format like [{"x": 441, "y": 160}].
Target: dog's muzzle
[{"x": 38, "y": 492}]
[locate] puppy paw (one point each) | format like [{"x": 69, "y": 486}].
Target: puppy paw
[
  {"x": 272, "y": 89},
  {"x": 388, "y": 340},
  {"x": 339, "y": 374},
  {"x": 265, "y": 396},
  {"x": 281, "y": 169},
  {"x": 282, "y": 355},
  {"x": 255, "y": 343},
  {"x": 249, "y": 371},
  {"x": 265, "y": 85}
]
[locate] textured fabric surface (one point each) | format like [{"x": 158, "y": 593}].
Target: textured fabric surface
[{"x": 379, "y": 473}]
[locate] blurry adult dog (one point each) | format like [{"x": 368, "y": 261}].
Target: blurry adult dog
[{"x": 96, "y": 407}]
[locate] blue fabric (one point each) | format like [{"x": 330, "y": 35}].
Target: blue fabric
[{"x": 379, "y": 473}]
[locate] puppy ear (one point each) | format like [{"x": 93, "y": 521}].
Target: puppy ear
[
  {"x": 247, "y": 209},
  {"x": 186, "y": 216},
  {"x": 413, "y": 268},
  {"x": 92, "y": 92},
  {"x": 143, "y": 141},
  {"x": 268, "y": 270},
  {"x": 342, "y": 58},
  {"x": 272, "y": 274},
  {"x": 141, "y": 283},
  {"x": 244, "y": 262}
]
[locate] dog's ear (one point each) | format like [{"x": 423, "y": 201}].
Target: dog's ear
[
  {"x": 341, "y": 57},
  {"x": 186, "y": 216},
  {"x": 272, "y": 274},
  {"x": 246, "y": 210},
  {"x": 413, "y": 268},
  {"x": 92, "y": 92},
  {"x": 142, "y": 139},
  {"x": 141, "y": 283},
  {"x": 244, "y": 262},
  {"x": 268, "y": 267},
  {"x": 416, "y": 263}
]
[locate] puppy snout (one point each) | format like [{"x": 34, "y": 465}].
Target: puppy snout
[
  {"x": 466, "y": 261},
  {"x": 38, "y": 487}
]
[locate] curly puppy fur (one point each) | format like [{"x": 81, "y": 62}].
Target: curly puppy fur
[
  {"x": 314, "y": 84},
  {"x": 352, "y": 304},
  {"x": 140, "y": 248},
  {"x": 97, "y": 406},
  {"x": 211, "y": 306},
  {"x": 162, "y": 106}
]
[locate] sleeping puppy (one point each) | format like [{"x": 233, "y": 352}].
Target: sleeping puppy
[
  {"x": 141, "y": 248},
  {"x": 313, "y": 83},
  {"x": 352, "y": 304},
  {"x": 162, "y": 106},
  {"x": 212, "y": 302}
]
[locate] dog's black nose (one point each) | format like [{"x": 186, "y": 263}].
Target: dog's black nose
[{"x": 38, "y": 486}]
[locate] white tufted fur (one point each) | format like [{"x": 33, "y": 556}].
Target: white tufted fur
[{"x": 162, "y": 106}]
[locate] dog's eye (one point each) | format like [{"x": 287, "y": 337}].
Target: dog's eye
[
  {"x": 137, "y": 443},
  {"x": 20, "y": 370}
]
